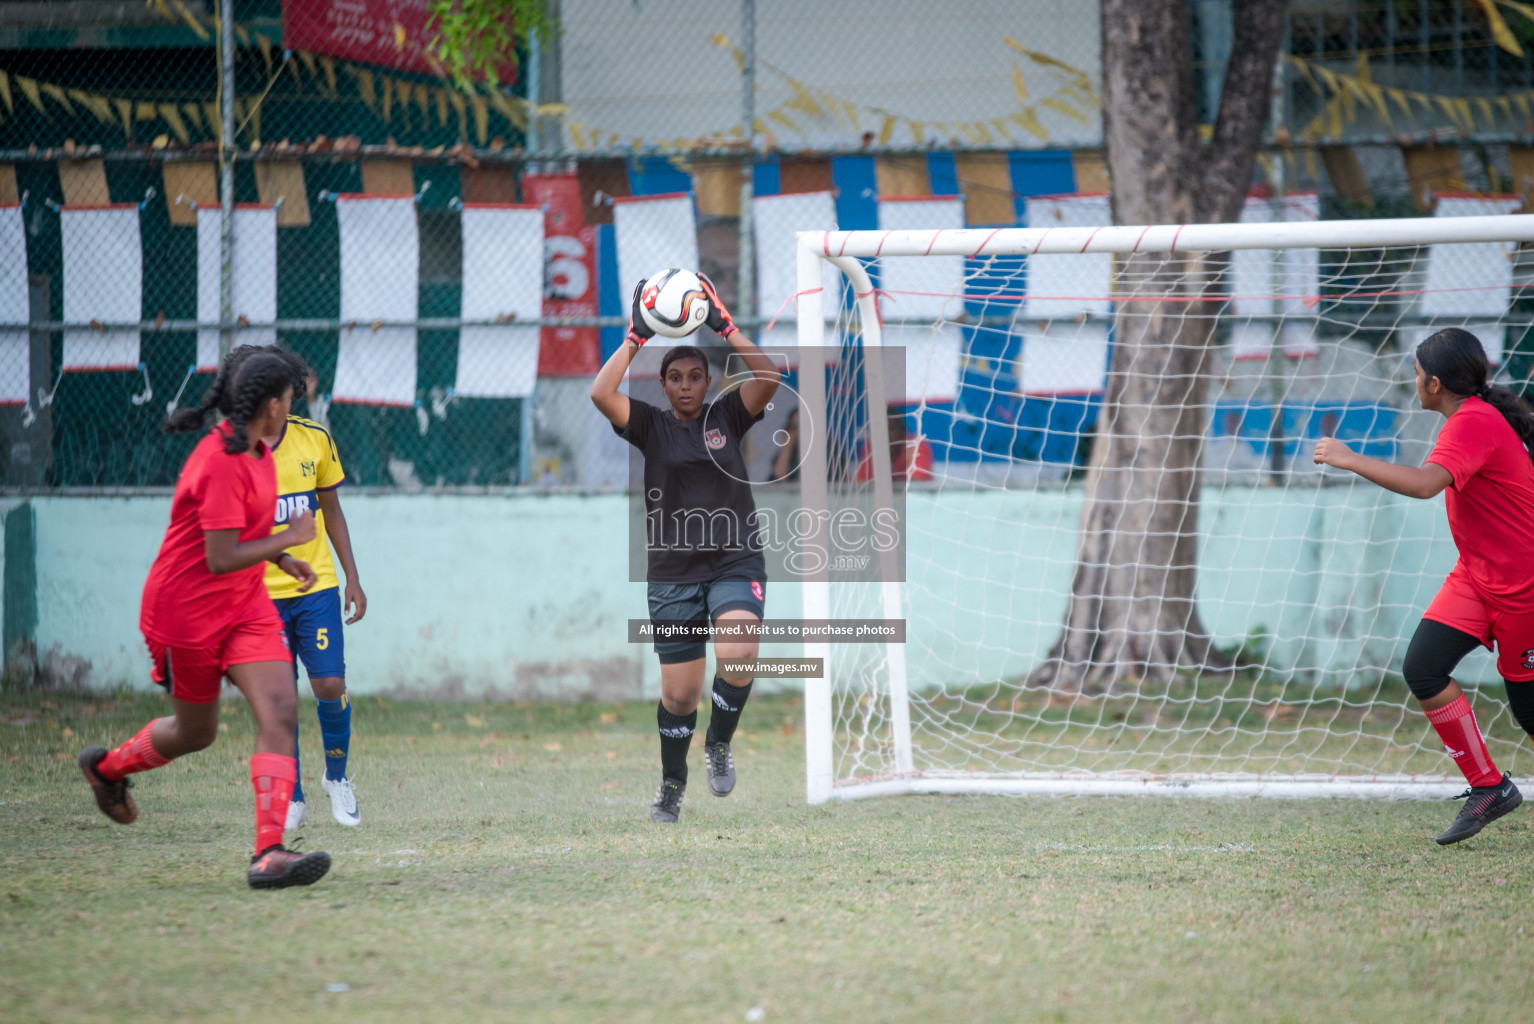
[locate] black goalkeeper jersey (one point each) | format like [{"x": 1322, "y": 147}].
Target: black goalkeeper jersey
[{"x": 700, "y": 516}]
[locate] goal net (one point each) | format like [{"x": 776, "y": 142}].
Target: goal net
[{"x": 1045, "y": 366}]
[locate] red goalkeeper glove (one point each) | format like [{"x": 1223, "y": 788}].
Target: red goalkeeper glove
[
  {"x": 639, "y": 331},
  {"x": 719, "y": 320}
]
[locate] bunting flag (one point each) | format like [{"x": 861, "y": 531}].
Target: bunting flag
[
  {"x": 380, "y": 273},
  {"x": 103, "y": 284},
  {"x": 1347, "y": 97},
  {"x": 776, "y": 221},
  {"x": 653, "y": 233},
  {"x": 15, "y": 352},
  {"x": 502, "y": 279},
  {"x": 929, "y": 292},
  {"x": 253, "y": 276}
]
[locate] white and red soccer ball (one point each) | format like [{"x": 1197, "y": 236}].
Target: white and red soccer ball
[{"x": 673, "y": 303}]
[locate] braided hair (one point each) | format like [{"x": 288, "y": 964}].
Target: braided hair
[
  {"x": 1456, "y": 358},
  {"x": 249, "y": 376}
]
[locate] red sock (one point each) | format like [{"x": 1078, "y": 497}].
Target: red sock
[
  {"x": 273, "y": 776},
  {"x": 137, "y": 755},
  {"x": 1455, "y": 723}
]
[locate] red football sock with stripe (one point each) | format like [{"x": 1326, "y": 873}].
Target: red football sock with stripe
[
  {"x": 1455, "y": 724},
  {"x": 137, "y": 755},
  {"x": 272, "y": 776}
]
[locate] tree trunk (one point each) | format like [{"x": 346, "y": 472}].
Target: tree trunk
[{"x": 1131, "y": 613}]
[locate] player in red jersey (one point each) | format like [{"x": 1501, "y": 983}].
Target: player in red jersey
[
  {"x": 205, "y": 612},
  {"x": 1484, "y": 461}
]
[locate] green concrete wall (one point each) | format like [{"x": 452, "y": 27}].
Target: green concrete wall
[{"x": 524, "y": 596}]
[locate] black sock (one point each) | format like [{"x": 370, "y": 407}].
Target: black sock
[
  {"x": 729, "y": 701},
  {"x": 675, "y": 737}
]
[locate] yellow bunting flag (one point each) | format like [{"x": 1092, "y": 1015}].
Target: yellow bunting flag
[
  {"x": 1029, "y": 122},
  {"x": 191, "y": 20},
  {"x": 1499, "y": 30},
  {"x": 58, "y": 97},
  {"x": 365, "y": 89},
  {"x": 1019, "y": 84},
  {"x": 5, "y": 92},
  {"x": 171, "y": 116},
  {"x": 886, "y": 130},
  {"x": 125, "y": 111},
  {"x": 802, "y": 99},
  {"x": 1064, "y": 108},
  {"x": 30, "y": 91}
]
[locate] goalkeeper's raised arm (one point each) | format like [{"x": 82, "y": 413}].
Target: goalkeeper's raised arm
[{"x": 758, "y": 391}]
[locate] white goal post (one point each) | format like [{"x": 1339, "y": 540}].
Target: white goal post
[{"x": 1316, "y": 577}]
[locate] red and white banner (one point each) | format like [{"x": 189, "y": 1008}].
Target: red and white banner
[
  {"x": 569, "y": 276},
  {"x": 388, "y": 32}
]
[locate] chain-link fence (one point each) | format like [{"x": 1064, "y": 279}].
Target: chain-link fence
[{"x": 407, "y": 236}]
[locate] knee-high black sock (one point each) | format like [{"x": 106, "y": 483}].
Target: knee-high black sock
[
  {"x": 729, "y": 702},
  {"x": 675, "y": 737}
]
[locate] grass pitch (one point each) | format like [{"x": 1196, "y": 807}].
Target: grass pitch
[{"x": 506, "y": 869}]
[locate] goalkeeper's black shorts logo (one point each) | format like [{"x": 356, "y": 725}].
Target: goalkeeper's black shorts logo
[{"x": 1528, "y": 658}]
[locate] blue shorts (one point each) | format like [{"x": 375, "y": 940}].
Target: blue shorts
[
  {"x": 700, "y": 603},
  {"x": 313, "y": 624}
]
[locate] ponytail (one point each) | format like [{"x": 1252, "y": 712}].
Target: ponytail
[
  {"x": 248, "y": 377},
  {"x": 186, "y": 421},
  {"x": 1456, "y": 358},
  {"x": 1514, "y": 411}
]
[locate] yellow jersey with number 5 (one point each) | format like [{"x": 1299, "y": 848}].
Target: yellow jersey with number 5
[{"x": 306, "y": 463}]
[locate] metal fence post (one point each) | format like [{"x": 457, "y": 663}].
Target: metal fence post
[
  {"x": 226, "y": 179},
  {"x": 746, "y": 290}
]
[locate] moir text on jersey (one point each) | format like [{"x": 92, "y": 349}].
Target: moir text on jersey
[{"x": 290, "y": 505}]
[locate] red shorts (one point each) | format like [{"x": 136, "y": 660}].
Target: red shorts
[
  {"x": 194, "y": 674},
  {"x": 1459, "y": 605}
]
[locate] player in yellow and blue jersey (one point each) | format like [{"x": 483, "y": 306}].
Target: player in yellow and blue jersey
[{"x": 308, "y": 474}]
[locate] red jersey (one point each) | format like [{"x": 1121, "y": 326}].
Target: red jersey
[
  {"x": 185, "y": 604},
  {"x": 1490, "y": 503}
]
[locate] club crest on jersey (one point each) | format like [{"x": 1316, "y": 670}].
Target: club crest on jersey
[
  {"x": 1528, "y": 658},
  {"x": 756, "y": 590},
  {"x": 714, "y": 438},
  {"x": 307, "y": 467}
]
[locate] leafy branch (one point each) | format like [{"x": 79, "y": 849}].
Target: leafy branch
[{"x": 478, "y": 38}]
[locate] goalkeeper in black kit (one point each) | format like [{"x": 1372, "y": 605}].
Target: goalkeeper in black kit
[{"x": 704, "y": 557}]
